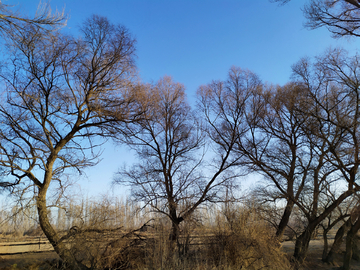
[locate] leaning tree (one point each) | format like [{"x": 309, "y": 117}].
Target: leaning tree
[{"x": 60, "y": 96}]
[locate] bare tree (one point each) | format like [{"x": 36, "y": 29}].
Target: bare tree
[
  {"x": 338, "y": 215},
  {"x": 60, "y": 95},
  {"x": 332, "y": 84},
  {"x": 263, "y": 128},
  {"x": 170, "y": 146},
  {"x": 340, "y": 17},
  {"x": 11, "y": 21},
  {"x": 279, "y": 148},
  {"x": 302, "y": 137},
  {"x": 166, "y": 141}
]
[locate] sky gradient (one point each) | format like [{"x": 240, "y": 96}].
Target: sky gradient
[{"x": 197, "y": 41}]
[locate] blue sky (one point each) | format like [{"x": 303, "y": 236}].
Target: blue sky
[{"x": 197, "y": 41}]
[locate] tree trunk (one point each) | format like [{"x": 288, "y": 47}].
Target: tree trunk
[
  {"x": 326, "y": 246},
  {"x": 350, "y": 244},
  {"x": 348, "y": 252},
  {"x": 355, "y": 249},
  {"x": 175, "y": 222},
  {"x": 338, "y": 241},
  {"x": 284, "y": 219},
  {"x": 53, "y": 237},
  {"x": 175, "y": 231},
  {"x": 302, "y": 244}
]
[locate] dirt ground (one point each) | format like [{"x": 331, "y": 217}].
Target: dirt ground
[
  {"x": 26, "y": 260},
  {"x": 313, "y": 259},
  {"x": 25, "y": 246},
  {"x": 36, "y": 254},
  {"x": 25, "y": 253}
]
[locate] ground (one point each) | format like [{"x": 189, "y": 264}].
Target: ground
[
  {"x": 25, "y": 252},
  {"x": 34, "y": 251},
  {"x": 313, "y": 259}
]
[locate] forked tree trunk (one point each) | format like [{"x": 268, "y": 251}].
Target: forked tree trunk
[
  {"x": 302, "y": 242},
  {"x": 175, "y": 222},
  {"x": 53, "y": 237}
]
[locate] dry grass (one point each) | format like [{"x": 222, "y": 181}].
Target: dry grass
[
  {"x": 242, "y": 243},
  {"x": 245, "y": 242},
  {"x": 236, "y": 241}
]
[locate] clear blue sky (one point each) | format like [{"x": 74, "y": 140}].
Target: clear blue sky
[{"x": 197, "y": 41}]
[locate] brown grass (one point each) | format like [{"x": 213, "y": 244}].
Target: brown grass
[
  {"x": 236, "y": 241},
  {"x": 243, "y": 243}
]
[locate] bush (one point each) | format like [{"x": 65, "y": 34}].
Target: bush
[{"x": 245, "y": 242}]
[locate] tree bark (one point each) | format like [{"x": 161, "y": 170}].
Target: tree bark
[
  {"x": 53, "y": 237},
  {"x": 337, "y": 241},
  {"x": 326, "y": 246},
  {"x": 175, "y": 231},
  {"x": 348, "y": 252},
  {"x": 302, "y": 244},
  {"x": 350, "y": 244},
  {"x": 284, "y": 219}
]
